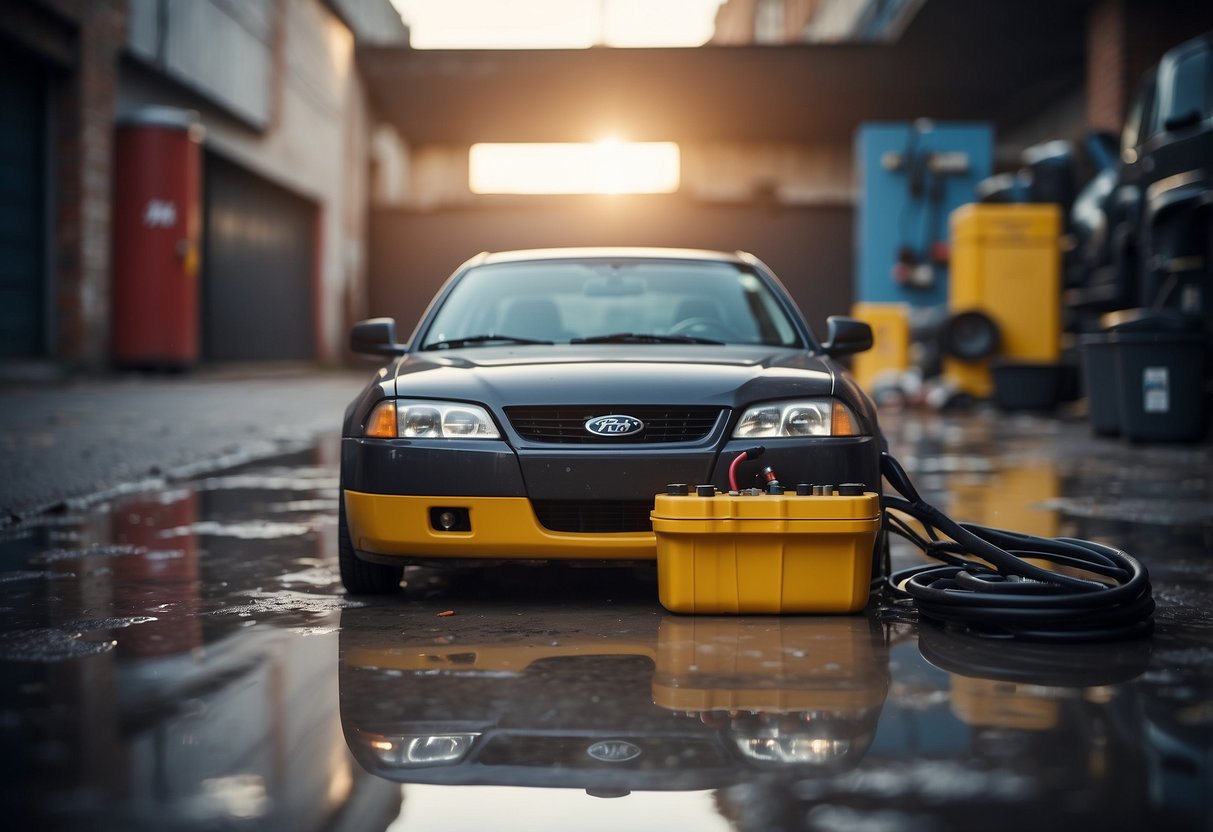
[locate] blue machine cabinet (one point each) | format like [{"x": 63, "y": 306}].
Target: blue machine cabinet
[{"x": 911, "y": 177}]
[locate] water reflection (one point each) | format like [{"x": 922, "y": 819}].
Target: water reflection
[
  {"x": 167, "y": 567},
  {"x": 185, "y": 659},
  {"x": 1117, "y": 734},
  {"x": 694, "y": 704},
  {"x": 984, "y": 736},
  {"x": 147, "y": 679},
  {"x": 1047, "y": 477},
  {"x": 1070, "y": 702}
]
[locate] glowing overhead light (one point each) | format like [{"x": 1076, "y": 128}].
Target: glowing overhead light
[
  {"x": 556, "y": 24},
  {"x": 606, "y": 167}
]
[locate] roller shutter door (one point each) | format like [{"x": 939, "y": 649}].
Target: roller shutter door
[
  {"x": 258, "y": 268},
  {"x": 22, "y": 208}
]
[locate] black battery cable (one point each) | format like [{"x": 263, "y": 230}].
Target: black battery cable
[{"x": 988, "y": 587}]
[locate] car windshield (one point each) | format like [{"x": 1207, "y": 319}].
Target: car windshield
[{"x": 611, "y": 301}]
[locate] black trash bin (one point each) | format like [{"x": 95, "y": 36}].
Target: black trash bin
[
  {"x": 1099, "y": 380},
  {"x": 1157, "y": 362},
  {"x": 1022, "y": 385}
]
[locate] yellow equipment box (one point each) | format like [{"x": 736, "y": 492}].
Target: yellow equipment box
[
  {"x": 833, "y": 664},
  {"x": 1006, "y": 262},
  {"x": 890, "y": 353},
  {"x": 765, "y": 553}
]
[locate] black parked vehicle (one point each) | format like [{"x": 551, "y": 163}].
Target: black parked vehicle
[
  {"x": 547, "y": 396},
  {"x": 1143, "y": 226}
]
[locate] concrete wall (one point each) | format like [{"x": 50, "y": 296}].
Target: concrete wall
[
  {"x": 434, "y": 175},
  {"x": 278, "y": 93},
  {"x": 788, "y": 203},
  {"x": 809, "y": 247},
  {"x": 224, "y": 51}
]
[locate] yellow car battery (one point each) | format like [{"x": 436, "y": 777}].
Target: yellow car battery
[
  {"x": 755, "y": 552},
  {"x": 801, "y": 664}
]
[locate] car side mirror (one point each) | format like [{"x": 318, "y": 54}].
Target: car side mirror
[
  {"x": 846, "y": 336},
  {"x": 375, "y": 336}
]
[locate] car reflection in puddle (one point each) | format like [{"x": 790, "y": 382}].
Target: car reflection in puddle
[
  {"x": 694, "y": 704},
  {"x": 792, "y": 722},
  {"x": 185, "y": 658}
]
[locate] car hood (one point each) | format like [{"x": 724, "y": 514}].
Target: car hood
[{"x": 614, "y": 374}]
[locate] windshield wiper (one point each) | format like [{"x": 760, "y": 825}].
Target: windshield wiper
[
  {"x": 642, "y": 338},
  {"x": 455, "y": 343}
]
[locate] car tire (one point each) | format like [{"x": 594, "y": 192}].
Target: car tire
[{"x": 358, "y": 576}]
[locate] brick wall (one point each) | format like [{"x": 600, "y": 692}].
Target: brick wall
[
  {"x": 83, "y": 133},
  {"x": 1125, "y": 38},
  {"x": 1106, "y": 72}
]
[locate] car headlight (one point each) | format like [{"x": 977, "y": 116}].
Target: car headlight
[
  {"x": 793, "y": 749},
  {"x": 421, "y": 750},
  {"x": 803, "y": 417},
  {"x": 417, "y": 419}
]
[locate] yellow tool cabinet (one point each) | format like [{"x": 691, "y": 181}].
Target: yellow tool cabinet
[{"x": 1006, "y": 263}]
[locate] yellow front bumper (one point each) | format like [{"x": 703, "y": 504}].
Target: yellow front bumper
[{"x": 502, "y": 527}]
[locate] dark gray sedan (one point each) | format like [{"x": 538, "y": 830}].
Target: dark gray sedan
[{"x": 546, "y": 397}]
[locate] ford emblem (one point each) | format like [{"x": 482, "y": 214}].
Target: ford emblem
[
  {"x": 616, "y": 424},
  {"x": 613, "y": 751}
]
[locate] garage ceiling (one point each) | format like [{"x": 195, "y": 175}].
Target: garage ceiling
[{"x": 958, "y": 60}]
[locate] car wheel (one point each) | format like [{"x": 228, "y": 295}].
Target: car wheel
[{"x": 358, "y": 576}]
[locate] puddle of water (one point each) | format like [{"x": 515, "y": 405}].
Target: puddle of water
[
  {"x": 185, "y": 658},
  {"x": 164, "y": 558},
  {"x": 49, "y": 645},
  {"x": 253, "y": 530}
]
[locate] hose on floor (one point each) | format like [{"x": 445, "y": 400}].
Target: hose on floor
[{"x": 988, "y": 585}]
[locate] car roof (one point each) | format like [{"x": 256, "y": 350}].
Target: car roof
[{"x": 610, "y": 253}]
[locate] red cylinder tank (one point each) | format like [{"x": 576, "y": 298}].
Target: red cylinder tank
[{"x": 157, "y": 232}]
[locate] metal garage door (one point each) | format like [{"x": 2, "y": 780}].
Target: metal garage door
[
  {"x": 22, "y": 208},
  {"x": 258, "y": 268}
]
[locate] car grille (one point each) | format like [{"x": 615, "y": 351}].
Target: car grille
[
  {"x": 566, "y": 425},
  {"x": 565, "y": 752},
  {"x": 596, "y": 517}
]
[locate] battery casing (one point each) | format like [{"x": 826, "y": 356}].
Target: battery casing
[{"x": 765, "y": 553}]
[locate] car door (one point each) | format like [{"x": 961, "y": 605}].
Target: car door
[{"x": 1175, "y": 181}]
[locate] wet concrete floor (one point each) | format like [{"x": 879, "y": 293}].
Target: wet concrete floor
[{"x": 184, "y": 658}]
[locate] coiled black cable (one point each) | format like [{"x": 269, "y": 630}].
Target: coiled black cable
[{"x": 986, "y": 586}]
